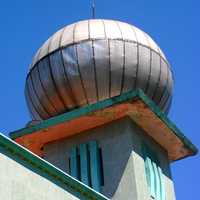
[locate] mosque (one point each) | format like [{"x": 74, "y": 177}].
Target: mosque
[{"x": 98, "y": 92}]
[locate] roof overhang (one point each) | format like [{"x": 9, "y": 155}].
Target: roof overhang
[{"x": 134, "y": 104}]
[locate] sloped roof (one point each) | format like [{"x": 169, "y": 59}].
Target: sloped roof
[
  {"x": 134, "y": 104},
  {"x": 47, "y": 170}
]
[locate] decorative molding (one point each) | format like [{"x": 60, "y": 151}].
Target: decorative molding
[{"x": 91, "y": 109}]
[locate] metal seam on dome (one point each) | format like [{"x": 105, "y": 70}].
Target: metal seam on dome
[
  {"x": 82, "y": 41},
  {"x": 44, "y": 90},
  {"x": 80, "y": 75},
  {"x": 94, "y": 58},
  {"x": 94, "y": 63},
  {"x": 158, "y": 82},
  {"x": 39, "y": 106},
  {"x": 89, "y": 37},
  {"x": 137, "y": 69},
  {"x": 37, "y": 58},
  {"x": 32, "y": 108},
  {"x": 42, "y": 49},
  {"x": 81, "y": 79},
  {"x": 141, "y": 45},
  {"x": 132, "y": 26},
  {"x": 165, "y": 89},
  {"x": 165, "y": 102},
  {"x": 49, "y": 43},
  {"x": 61, "y": 36},
  {"x": 66, "y": 73},
  {"x": 95, "y": 72},
  {"x": 38, "y": 99},
  {"x": 134, "y": 32},
  {"x": 168, "y": 103},
  {"x": 167, "y": 99},
  {"x": 73, "y": 99},
  {"x": 53, "y": 79},
  {"x": 31, "y": 105},
  {"x": 109, "y": 60},
  {"x": 55, "y": 85},
  {"x": 122, "y": 78},
  {"x": 150, "y": 63},
  {"x": 123, "y": 72},
  {"x": 150, "y": 73},
  {"x": 104, "y": 28},
  {"x": 137, "y": 66},
  {"x": 75, "y": 48}
]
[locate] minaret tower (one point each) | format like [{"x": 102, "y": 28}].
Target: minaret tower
[{"x": 98, "y": 92}]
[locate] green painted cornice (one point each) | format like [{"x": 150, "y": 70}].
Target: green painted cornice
[
  {"x": 129, "y": 96},
  {"x": 47, "y": 170}
]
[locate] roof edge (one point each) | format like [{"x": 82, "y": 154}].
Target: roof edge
[
  {"x": 128, "y": 96},
  {"x": 42, "y": 167},
  {"x": 163, "y": 117}
]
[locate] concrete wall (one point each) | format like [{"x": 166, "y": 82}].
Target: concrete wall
[
  {"x": 123, "y": 164},
  {"x": 20, "y": 183}
]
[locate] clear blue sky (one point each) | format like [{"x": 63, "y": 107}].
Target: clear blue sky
[{"x": 175, "y": 26}]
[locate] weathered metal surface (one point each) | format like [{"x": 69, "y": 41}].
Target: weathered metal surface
[{"x": 93, "y": 60}]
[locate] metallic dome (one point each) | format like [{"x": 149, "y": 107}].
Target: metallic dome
[{"x": 93, "y": 60}]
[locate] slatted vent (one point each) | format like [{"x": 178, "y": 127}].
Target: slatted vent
[{"x": 86, "y": 165}]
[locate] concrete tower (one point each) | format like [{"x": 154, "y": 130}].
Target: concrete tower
[{"x": 98, "y": 92}]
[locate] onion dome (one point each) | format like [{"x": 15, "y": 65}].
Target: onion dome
[{"x": 94, "y": 60}]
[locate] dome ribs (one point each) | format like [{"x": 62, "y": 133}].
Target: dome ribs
[{"x": 93, "y": 60}]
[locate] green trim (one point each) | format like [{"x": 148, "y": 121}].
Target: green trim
[
  {"x": 162, "y": 184},
  {"x": 154, "y": 175},
  {"x": 74, "y": 165},
  {"x": 74, "y": 114},
  {"x": 95, "y": 165},
  {"x": 163, "y": 117},
  {"x": 47, "y": 170},
  {"x": 136, "y": 94},
  {"x": 157, "y": 181},
  {"x": 84, "y": 163}
]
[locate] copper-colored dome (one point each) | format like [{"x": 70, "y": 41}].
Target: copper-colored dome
[{"x": 93, "y": 60}]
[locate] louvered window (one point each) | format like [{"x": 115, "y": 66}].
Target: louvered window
[
  {"x": 154, "y": 174},
  {"x": 85, "y": 164}
]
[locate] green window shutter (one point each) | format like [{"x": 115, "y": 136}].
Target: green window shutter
[
  {"x": 94, "y": 166},
  {"x": 149, "y": 171},
  {"x": 74, "y": 163},
  {"x": 157, "y": 181},
  {"x": 154, "y": 175},
  {"x": 162, "y": 185},
  {"x": 84, "y": 164}
]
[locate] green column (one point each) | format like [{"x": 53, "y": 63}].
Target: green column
[
  {"x": 84, "y": 162},
  {"x": 157, "y": 181},
  {"x": 94, "y": 166},
  {"x": 74, "y": 168},
  {"x": 162, "y": 185}
]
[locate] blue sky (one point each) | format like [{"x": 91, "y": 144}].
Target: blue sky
[{"x": 174, "y": 25}]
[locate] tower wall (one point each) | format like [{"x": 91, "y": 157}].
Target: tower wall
[
  {"x": 19, "y": 183},
  {"x": 121, "y": 143}
]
